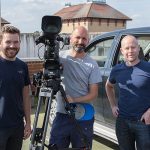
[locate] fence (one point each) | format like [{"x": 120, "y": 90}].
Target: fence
[{"x": 29, "y": 50}]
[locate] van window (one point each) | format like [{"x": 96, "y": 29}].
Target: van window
[{"x": 100, "y": 51}]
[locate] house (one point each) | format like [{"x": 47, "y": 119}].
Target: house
[{"x": 95, "y": 15}]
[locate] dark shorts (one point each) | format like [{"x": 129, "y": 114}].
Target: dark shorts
[
  {"x": 11, "y": 138},
  {"x": 64, "y": 131}
]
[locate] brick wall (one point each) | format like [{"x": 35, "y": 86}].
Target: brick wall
[{"x": 34, "y": 67}]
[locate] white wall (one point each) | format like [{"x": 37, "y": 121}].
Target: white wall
[{"x": 28, "y": 47}]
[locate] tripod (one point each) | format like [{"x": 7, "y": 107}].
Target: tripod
[{"x": 39, "y": 134}]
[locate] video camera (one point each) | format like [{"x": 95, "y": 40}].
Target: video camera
[
  {"x": 51, "y": 27},
  {"x": 49, "y": 83}
]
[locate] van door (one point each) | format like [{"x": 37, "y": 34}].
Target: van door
[{"x": 100, "y": 51}]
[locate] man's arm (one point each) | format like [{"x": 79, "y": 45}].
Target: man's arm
[
  {"x": 92, "y": 95},
  {"x": 111, "y": 97},
  {"x": 27, "y": 111}
]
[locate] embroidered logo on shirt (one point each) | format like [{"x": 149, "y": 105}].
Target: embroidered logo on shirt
[
  {"x": 90, "y": 65},
  {"x": 20, "y": 72}
]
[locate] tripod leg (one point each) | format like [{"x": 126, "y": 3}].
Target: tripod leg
[
  {"x": 49, "y": 95},
  {"x": 35, "y": 122},
  {"x": 46, "y": 119}
]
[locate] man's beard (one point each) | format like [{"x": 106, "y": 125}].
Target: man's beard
[
  {"x": 10, "y": 54},
  {"x": 79, "y": 48}
]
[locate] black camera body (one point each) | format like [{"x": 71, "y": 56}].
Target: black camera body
[{"x": 51, "y": 27}]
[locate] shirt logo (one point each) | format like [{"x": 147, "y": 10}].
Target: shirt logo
[{"x": 20, "y": 72}]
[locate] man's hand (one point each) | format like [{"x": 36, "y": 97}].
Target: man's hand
[
  {"x": 27, "y": 131},
  {"x": 146, "y": 117},
  {"x": 115, "y": 111},
  {"x": 70, "y": 99}
]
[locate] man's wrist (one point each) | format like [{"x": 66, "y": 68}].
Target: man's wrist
[
  {"x": 148, "y": 110},
  {"x": 28, "y": 121}
]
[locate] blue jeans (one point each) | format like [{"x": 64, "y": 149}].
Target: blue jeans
[
  {"x": 64, "y": 132},
  {"x": 132, "y": 133},
  {"x": 11, "y": 138}
]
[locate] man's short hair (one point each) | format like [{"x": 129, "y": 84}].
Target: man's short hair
[{"x": 9, "y": 29}]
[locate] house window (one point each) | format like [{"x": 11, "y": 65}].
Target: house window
[
  {"x": 79, "y": 22},
  {"x": 73, "y": 23},
  {"x": 123, "y": 24},
  {"x": 115, "y": 23},
  {"x": 68, "y": 22},
  {"x": 84, "y": 21},
  {"x": 91, "y": 21},
  {"x": 100, "y": 22},
  {"x": 107, "y": 22}
]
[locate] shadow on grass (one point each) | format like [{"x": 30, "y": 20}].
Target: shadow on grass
[
  {"x": 34, "y": 106},
  {"x": 106, "y": 142},
  {"x": 96, "y": 138}
]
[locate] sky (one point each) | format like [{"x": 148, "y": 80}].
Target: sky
[{"x": 27, "y": 14}]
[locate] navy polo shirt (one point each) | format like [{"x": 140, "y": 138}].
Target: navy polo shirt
[
  {"x": 13, "y": 77},
  {"x": 134, "y": 88}
]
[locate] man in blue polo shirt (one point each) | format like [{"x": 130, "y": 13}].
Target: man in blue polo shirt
[
  {"x": 133, "y": 108},
  {"x": 15, "y": 123}
]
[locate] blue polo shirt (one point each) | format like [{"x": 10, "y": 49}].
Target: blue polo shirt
[
  {"x": 134, "y": 88},
  {"x": 13, "y": 77}
]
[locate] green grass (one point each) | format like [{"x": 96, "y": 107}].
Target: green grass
[{"x": 98, "y": 143}]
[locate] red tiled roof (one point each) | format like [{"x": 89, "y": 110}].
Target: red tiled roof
[{"x": 90, "y": 10}]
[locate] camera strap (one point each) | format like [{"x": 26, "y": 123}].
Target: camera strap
[
  {"x": 83, "y": 111},
  {"x": 70, "y": 110}
]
